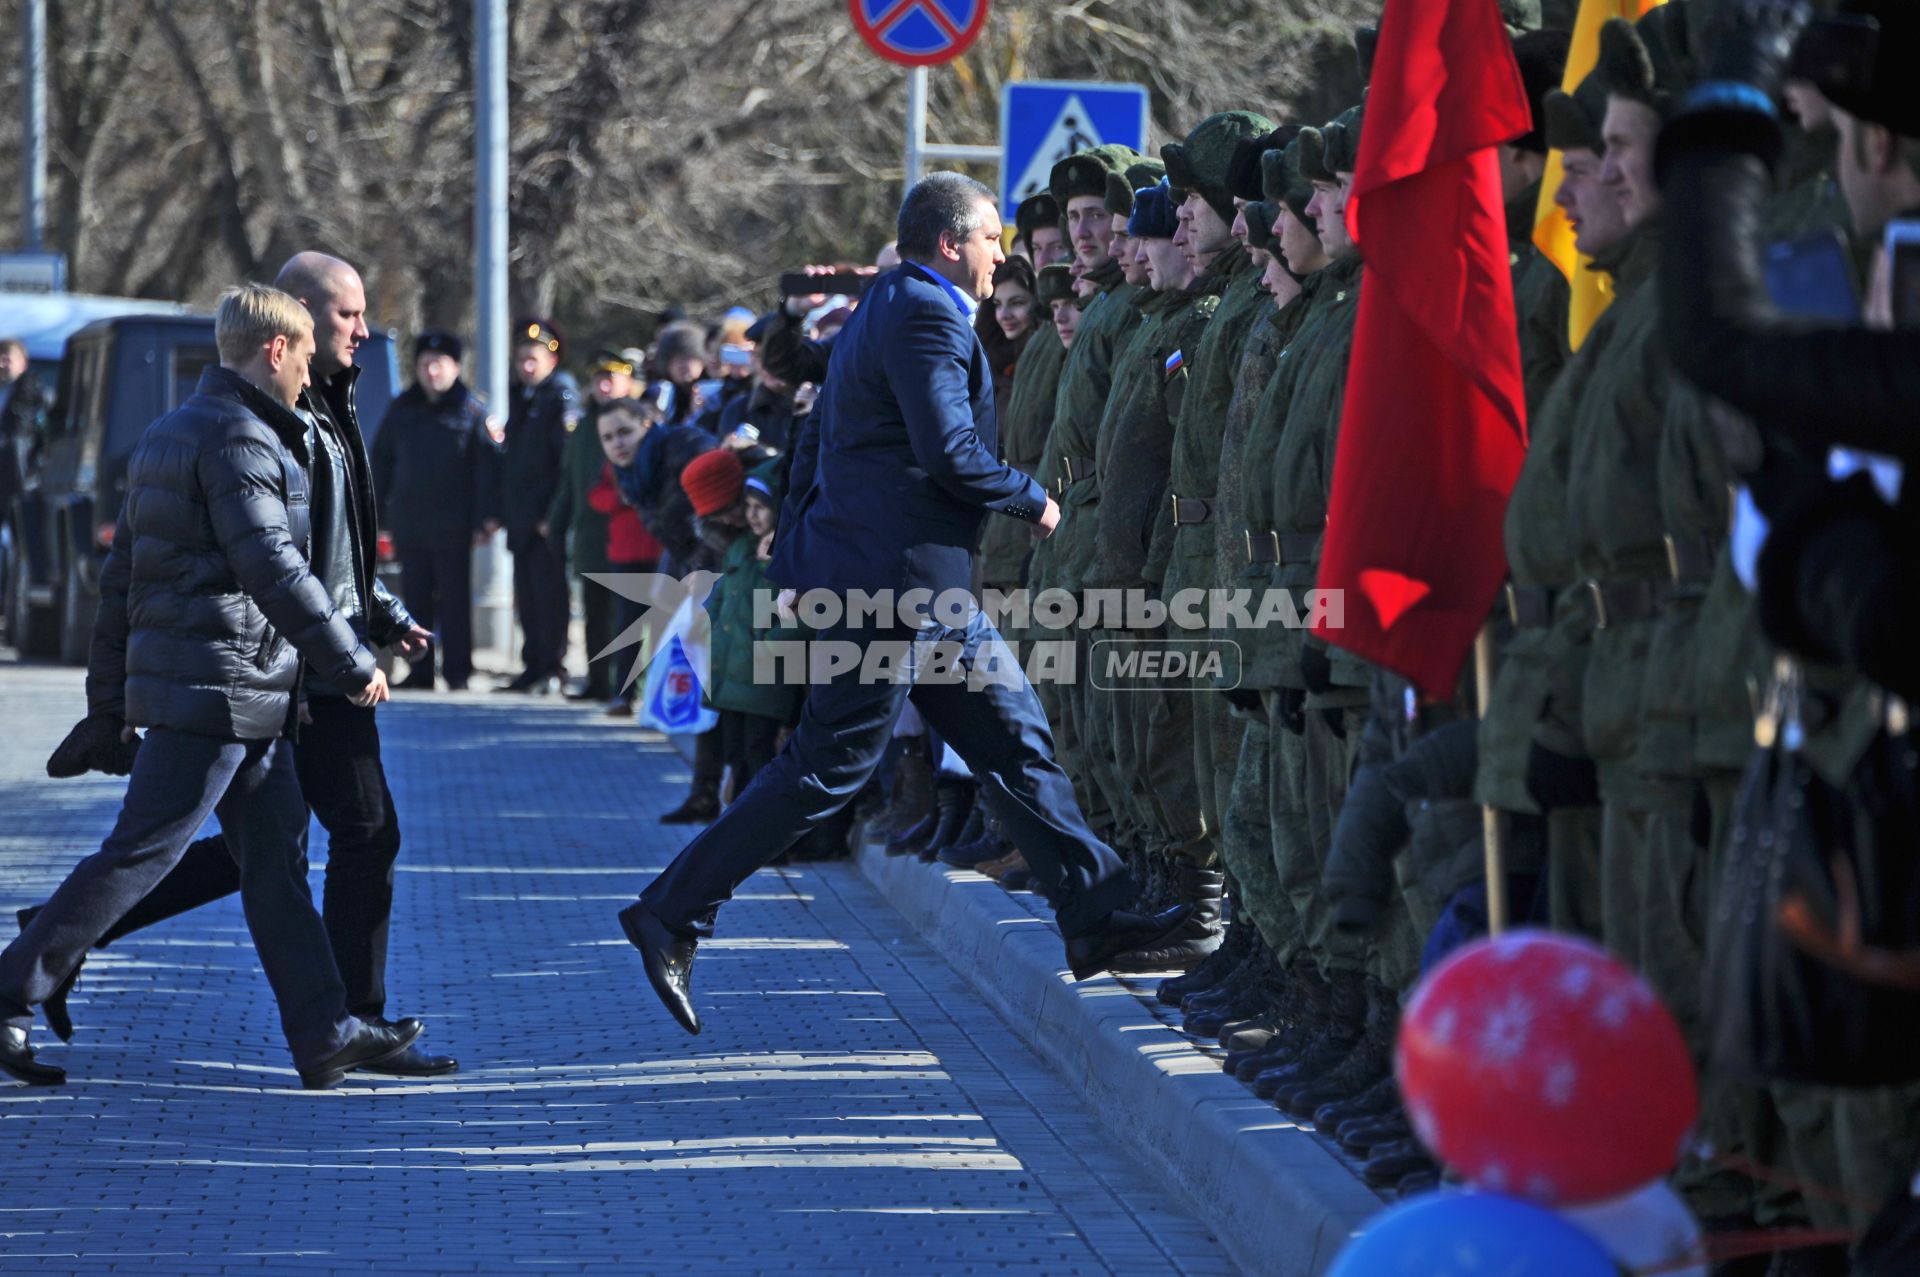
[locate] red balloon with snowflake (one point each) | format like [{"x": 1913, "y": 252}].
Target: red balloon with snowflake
[{"x": 1538, "y": 1065}]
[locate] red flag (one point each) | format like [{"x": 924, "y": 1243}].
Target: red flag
[{"x": 1434, "y": 426}]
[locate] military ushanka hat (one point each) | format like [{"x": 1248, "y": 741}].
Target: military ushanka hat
[
  {"x": 1649, "y": 61},
  {"x": 1283, "y": 182},
  {"x": 1034, "y": 212},
  {"x": 1573, "y": 119},
  {"x": 1260, "y": 215},
  {"x": 1141, "y": 173},
  {"x": 1055, "y": 285},
  {"x": 1244, "y": 180},
  {"x": 1542, "y": 56},
  {"x": 1860, "y": 60},
  {"x": 1155, "y": 215},
  {"x": 1203, "y": 160},
  {"x": 1085, "y": 173}
]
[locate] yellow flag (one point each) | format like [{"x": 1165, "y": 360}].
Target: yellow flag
[{"x": 1592, "y": 291}]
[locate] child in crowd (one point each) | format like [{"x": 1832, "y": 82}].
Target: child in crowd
[{"x": 742, "y": 508}]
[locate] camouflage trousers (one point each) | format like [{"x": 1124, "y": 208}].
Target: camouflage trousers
[
  {"x": 1217, "y": 728},
  {"x": 1247, "y": 840},
  {"x": 1153, "y": 734}
]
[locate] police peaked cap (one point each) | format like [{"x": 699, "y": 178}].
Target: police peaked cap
[
  {"x": 436, "y": 342},
  {"x": 539, "y": 332}
]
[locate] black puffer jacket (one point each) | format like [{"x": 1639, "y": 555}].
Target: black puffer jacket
[{"x": 207, "y": 608}]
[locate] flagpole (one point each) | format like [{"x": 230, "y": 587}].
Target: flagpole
[{"x": 1493, "y": 828}]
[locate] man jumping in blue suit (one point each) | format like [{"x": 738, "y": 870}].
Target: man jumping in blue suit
[{"x": 891, "y": 479}]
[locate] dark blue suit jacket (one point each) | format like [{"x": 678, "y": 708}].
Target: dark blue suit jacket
[{"x": 899, "y": 460}]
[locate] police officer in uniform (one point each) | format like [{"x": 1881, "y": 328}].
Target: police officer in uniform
[{"x": 544, "y": 409}]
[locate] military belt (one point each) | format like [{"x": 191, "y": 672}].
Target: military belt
[
  {"x": 1689, "y": 560},
  {"x": 1074, "y": 469},
  {"x": 1281, "y": 547},
  {"x": 1529, "y": 607},
  {"x": 1621, "y": 603},
  {"x": 1188, "y": 511}
]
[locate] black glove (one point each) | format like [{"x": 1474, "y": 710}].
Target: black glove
[
  {"x": 1242, "y": 698},
  {"x": 1316, "y": 666},
  {"x": 1751, "y": 41},
  {"x": 1293, "y": 709},
  {"x": 94, "y": 745}
]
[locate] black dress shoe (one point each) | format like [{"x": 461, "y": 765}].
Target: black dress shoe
[
  {"x": 1121, "y": 933},
  {"x": 410, "y": 1060},
  {"x": 16, "y": 1057},
  {"x": 55, "y": 1007},
  {"x": 699, "y": 809},
  {"x": 668, "y": 959},
  {"x": 376, "y": 1040},
  {"x": 522, "y": 682}
]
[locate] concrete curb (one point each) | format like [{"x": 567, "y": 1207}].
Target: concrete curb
[{"x": 1277, "y": 1197}]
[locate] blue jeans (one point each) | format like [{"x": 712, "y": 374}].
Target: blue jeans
[
  {"x": 179, "y": 779},
  {"x": 997, "y": 727}
]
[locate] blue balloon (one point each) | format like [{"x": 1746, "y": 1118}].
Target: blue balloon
[{"x": 1472, "y": 1235}]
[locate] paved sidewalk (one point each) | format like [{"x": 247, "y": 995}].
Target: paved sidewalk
[{"x": 852, "y": 1107}]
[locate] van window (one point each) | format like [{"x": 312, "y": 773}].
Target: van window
[{"x": 188, "y": 363}]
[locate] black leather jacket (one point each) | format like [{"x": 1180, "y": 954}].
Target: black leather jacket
[
  {"x": 207, "y": 606},
  {"x": 1837, "y": 557},
  {"x": 356, "y": 546}
]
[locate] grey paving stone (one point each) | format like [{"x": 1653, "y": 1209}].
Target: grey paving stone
[{"x": 852, "y": 1107}]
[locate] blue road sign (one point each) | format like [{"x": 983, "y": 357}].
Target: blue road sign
[
  {"x": 919, "y": 33},
  {"x": 1044, "y": 121}
]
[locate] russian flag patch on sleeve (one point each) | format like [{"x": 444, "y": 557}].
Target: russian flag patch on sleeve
[{"x": 1175, "y": 362}]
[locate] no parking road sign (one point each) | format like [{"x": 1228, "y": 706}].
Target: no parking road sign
[
  {"x": 1044, "y": 121},
  {"x": 919, "y": 33}
]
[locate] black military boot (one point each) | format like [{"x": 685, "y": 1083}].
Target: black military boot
[
  {"x": 1376, "y": 1101},
  {"x": 952, "y": 800},
  {"x": 1370, "y": 1060},
  {"x": 1239, "y": 933},
  {"x": 957, "y": 801},
  {"x": 1238, "y": 998},
  {"x": 1346, "y": 1022},
  {"x": 988, "y": 843},
  {"x": 1392, "y": 1163},
  {"x": 1286, "y": 1012},
  {"x": 1306, "y": 1017},
  {"x": 1198, "y": 937},
  {"x": 911, "y": 798}
]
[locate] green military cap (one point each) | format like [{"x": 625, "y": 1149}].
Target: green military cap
[
  {"x": 1085, "y": 173},
  {"x": 1649, "y": 61},
  {"x": 1281, "y": 180},
  {"x": 1573, "y": 119},
  {"x": 1056, "y": 285},
  {"x": 1136, "y": 176},
  {"x": 1034, "y": 212},
  {"x": 1260, "y": 216},
  {"x": 1542, "y": 56},
  {"x": 1202, "y": 160}
]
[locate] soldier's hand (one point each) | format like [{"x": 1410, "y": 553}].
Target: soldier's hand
[
  {"x": 1049, "y": 519},
  {"x": 375, "y": 693}
]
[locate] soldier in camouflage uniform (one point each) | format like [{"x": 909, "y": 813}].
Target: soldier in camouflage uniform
[
  {"x": 1079, "y": 186},
  {"x": 1131, "y": 457},
  {"x": 1245, "y": 824}
]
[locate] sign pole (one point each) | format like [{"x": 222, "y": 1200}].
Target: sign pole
[
  {"x": 916, "y": 122},
  {"x": 33, "y": 120},
  {"x": 492, "y": 586}
]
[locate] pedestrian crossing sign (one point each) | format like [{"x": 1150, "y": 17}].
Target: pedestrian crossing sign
[{"x": 1044, "y": 121}]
